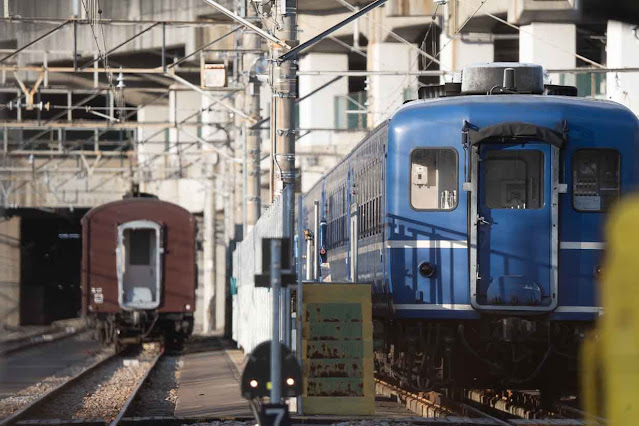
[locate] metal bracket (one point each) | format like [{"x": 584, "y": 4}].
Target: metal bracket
[{"x": 286, "y": 132}]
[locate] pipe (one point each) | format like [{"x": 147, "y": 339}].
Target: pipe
[{"x": 316, "y": 242}]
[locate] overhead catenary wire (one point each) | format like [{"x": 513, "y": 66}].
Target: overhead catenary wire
[
  {"x": 481, "y": 4},
  {"x": 393, "y": 34}
]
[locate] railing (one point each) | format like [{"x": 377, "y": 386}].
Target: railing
[
  {"x": 592, "y": 85},
  {"x": 252, "y": 306}
]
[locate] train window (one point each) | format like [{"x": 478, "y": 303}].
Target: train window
[
  {"x": 433, "y": 179},
  {"x": 139, "y": 242},
  {"x": 595, "y": 179},
  {"x": 514, "y": 179}
]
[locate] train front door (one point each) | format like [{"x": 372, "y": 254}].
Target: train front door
[{"x": 516, "y": 229}]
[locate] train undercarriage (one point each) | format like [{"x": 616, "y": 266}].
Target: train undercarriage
[
  {"x": 133, "y": 327},
  {"x": 506, "y": 352}
]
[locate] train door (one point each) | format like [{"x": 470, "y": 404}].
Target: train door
[
  {"x": 516, "y": 231},
  {"x": 139, "y": 264}
]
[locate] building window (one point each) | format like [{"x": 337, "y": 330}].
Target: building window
[
  {"x": 433, "y": 179},
  {"x": 595, "y": 179},
  {"x": 514, "y": 179}
]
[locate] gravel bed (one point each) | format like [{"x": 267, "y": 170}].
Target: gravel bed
[
  {"x": 102, "y": 393},
  {"x": 26, "y": 396},
  {"x": 158, "y": 395}
]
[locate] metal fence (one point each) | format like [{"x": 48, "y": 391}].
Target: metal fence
[{"x": 253, "y": 307}]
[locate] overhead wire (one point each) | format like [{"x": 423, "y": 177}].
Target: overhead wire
[
  {"x": 391, "y": 33},
  {"x": 481, "y": 4},
  {"x": 417, "y": 58}
]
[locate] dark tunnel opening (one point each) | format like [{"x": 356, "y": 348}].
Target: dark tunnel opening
[{"x": 50, "y": 256}]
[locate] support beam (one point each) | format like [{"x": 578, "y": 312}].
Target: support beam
[
  {"x": 31, "y": 43},
  {"x": 247, "y": 24},
  {"x": 314, "y": 40},
  {"x": 125, "y": 42}
]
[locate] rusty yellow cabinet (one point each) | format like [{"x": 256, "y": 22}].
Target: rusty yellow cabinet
[{"x": 337, "y": 349}]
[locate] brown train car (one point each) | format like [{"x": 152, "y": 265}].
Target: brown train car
[{"x": 139, "y": 271}]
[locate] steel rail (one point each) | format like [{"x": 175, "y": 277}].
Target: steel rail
[
  {"x": 55, "y": 391},
  {"x": 136, "y": 390}
]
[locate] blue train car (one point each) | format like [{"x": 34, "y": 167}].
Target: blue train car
[{"x": 477, "y": 214}]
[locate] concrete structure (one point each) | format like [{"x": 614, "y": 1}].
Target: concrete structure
[
  {"x": 552, "y": 46},
  {"x": 387, "y": 93},
  {"x": 623, "y": 52},
  {"x": 10, "y": 271}
]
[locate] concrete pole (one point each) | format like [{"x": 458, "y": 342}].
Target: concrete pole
[
  {"x": 238, "y": 141},
  {"x": 208, "y": 301},
  {"x": 284, "y": 93},
  {"x": 253, "y": 140}
]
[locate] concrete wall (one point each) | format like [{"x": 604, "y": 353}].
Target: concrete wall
[
  {"x": 551, "y": 46},
  {"x": 10, "y": 271},
  {"x": 386, "y": 93},
  {"x": 460, "y": 53},
  {"x": 319, "y": 110},
  {"x": 623, "y": 52}
]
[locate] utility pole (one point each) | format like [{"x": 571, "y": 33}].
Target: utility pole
[
  {"x": 284, "y": 94},
  {"x": 253, "y": 140},
  {"x": 238, "y": 139}
]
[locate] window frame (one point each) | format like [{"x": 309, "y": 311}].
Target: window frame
[
  {"x": 410, "y": 177},
  {"x": 572, "y": 176}
]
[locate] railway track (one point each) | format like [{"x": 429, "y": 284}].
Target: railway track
[
  {"x": 101, "y": 394},
  {"x": 484, "y": 408}
]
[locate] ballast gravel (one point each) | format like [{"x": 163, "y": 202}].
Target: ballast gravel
[
  {"x": 101, "y": 393},
  {"x": 158, "y": 395},
  {"x": 11, "y": 404}
]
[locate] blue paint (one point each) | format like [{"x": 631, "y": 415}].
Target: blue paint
[{"x": 518, "y": 242}]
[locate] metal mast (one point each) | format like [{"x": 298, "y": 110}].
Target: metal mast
[{"x": 284, "y": 94}]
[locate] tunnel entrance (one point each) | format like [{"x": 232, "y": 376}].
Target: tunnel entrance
[{"x": 50, "y": 257}]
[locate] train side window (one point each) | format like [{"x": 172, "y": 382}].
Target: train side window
[
  {"x": 596, "y": 181},
  {"x": 433, "y": 179}
]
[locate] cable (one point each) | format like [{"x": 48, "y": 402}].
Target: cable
[
  {"x": 392, "y": 33},
  {"x": 458, "y": 30}
]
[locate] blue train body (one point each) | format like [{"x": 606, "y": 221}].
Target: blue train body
[{"x": 479, "y": 211}]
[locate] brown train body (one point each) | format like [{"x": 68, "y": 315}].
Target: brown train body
[{"x": 102, "y": 290}]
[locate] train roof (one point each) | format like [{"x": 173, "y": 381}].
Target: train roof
[
  {"x": 542, "y": 110},
  {"x": 133, "y": 201}
]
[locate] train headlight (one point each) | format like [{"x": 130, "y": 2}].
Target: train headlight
[{"x": 427, "y": 269}]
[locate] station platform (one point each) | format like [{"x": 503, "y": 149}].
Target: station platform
[
  {"x": 210, "y": 380},
  {"x": 210, "y": 387}
]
